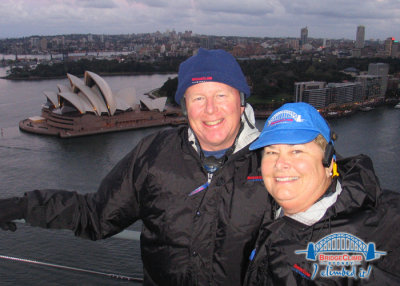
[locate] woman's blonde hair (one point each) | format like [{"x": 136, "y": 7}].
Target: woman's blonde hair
[{"x": 321, "y": 142}]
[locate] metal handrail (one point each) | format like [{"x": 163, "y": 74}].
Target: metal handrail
[{"x": 125, "y": 234}]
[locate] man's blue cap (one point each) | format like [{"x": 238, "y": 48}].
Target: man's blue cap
[
  {"x": 210, "y": 65},
  {"x": 293, "y": 123}
]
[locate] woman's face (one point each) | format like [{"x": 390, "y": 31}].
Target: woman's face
[{"x": 294, "y": 175}]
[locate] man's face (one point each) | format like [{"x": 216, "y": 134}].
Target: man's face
[{"x": 214, "y": 114}]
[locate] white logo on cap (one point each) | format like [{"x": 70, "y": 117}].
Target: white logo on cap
[{"x": 285, "y": 116}]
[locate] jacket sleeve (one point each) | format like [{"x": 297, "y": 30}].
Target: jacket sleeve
[
  {"x": 97, "y": 215},
  {"x": 386, "y": 236},
  {"x": 258, "y": 269}
]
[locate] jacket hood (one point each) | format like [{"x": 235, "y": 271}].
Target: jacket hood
[
  {"x": 248, "y": 132},
  {"x": 360, "y": 186}
]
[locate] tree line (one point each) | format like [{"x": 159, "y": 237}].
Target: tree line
[
  {"x": 99, "y": 66},
  {"x": 273, "y": 81},
  {"x": 270, "y": 81}
]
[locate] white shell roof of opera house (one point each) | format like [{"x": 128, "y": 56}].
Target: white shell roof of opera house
[{"x": 93, "y": 94}]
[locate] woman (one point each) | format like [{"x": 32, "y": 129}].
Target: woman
[{"x": 333, "y": 225}]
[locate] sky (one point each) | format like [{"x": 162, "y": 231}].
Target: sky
[{"x": 331, "y": 19}]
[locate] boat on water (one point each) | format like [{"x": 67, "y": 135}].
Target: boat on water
[
  {"x": 366, "y": 108},
  {"x": 88, "y": 107}
]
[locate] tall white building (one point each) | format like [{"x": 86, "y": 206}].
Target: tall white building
[
  {"x": 300, "y": 87},
  {"x": 320, "y": 94},
  {"x": 360, "y": 37}
]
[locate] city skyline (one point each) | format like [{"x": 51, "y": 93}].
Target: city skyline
[{"x": 256, "y": 18}]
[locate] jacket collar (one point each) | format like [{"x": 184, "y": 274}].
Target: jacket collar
[{"x": 319, "y": 208}]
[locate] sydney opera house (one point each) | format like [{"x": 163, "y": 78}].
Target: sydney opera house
[{"x": 88, "y": 106}]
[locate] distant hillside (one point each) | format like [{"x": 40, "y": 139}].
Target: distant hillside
[
  {"x": 271, "y": 82},
  {"x": 101, "y": 67}
]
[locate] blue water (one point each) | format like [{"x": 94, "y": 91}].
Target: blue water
[{"x": 30, "y": 161}]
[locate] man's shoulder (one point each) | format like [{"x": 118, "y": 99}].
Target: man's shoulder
[
  {"x": 164, "y": 139},
  {"x": 166, "y": 133}
]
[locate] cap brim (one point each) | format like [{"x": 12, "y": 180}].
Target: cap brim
[{"x": 297, "y": 136}]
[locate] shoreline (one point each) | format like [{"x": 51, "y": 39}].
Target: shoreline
[
  {"x": 88, "y": 124},
  {"x": 36, "y": 78},
  {"x": 339, "y": 112},
  {"x": 67, "y": 127}
]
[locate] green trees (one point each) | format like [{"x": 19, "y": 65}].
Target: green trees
[
  {"x": 271, "y": 82},
  {"x": 168, "y": 89},
  {"x": 100, "y": 66}
]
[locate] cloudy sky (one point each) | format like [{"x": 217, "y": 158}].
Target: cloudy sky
[{"x": 262, "y": 18}]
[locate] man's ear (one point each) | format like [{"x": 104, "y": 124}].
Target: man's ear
[
  {"x": 183, "y": 106},
  {"x": 242, "y": 99}
]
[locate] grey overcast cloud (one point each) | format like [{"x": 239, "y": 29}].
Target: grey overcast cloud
[{"x": 332, "y": 19}]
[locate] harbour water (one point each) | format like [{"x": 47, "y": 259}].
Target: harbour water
[{"x": 29, "y": 161}]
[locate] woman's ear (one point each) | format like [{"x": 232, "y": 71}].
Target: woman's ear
[
  {"x": 332, "y": 171},
  {"x": 329, "y": 170}
]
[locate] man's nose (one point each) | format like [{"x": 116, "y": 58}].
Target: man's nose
[{"x": 211, "y": 106}]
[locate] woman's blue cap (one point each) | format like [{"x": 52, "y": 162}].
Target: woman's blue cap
[
  {"x": 293, "y": 123},
  {"x": 209, "y": 66}
]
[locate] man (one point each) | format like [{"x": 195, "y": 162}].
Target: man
[{"x": 196, "y": 188}]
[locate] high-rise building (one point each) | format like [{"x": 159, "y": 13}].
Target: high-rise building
[
  {"x": 360, "y": 37},
  {"x": 35, "y": 42},
  {"x": 391, "y": 47},
  {"x": 316, "y": 97},
  {"x": 304, "y": 36},
  {"x": 43, "y": 44},
  {"x": 320, "y": 94},
  {"x": 371, "y": 85},
  {"x": 388, "y": 46},
  {"x": 381, "y": 70},
  {"x": 395, "y": 49},
  {"x": 344, "y": 92},
  {"x": 300, "y": 87}
]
